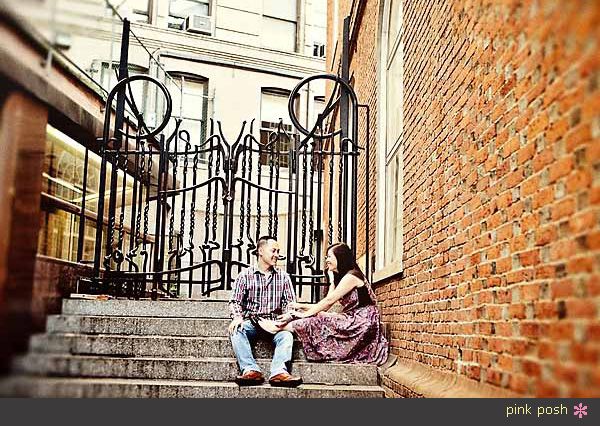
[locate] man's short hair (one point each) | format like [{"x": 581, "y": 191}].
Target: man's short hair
[{"x": 263, "y": 240}]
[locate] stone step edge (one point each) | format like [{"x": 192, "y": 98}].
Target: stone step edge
[
  {"x": 59, "y": 324},
  {"x": 130, "y": 336},
  {"x": 144, "y": 300},
  {"x": 129, "y": 317},
  {"x": 147, "y": 308},
  {"x": 202, "y": 369},
  {"x": 176, "y": 359},
  {"x": 187, "y": 383}
]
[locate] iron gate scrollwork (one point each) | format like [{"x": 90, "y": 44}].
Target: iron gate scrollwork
[{"x": 176, "y": 218}]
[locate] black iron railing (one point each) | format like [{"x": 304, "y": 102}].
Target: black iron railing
[{"x": 181, "y": 219}]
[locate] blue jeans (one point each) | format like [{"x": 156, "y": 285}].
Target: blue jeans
[{"x": 240, "y": 339}]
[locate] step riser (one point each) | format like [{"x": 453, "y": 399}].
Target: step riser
[
  {"x": 147, "y": 347},
  {"x": 48, "y": 388},
  {"x": 147, "y": 308},
  {"x": 138, "y": 326},
  {"x": 167, "y": 348},
  {"x": 213, "y": 370}
]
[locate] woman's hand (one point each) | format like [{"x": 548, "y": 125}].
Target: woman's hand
[
  {"x": 298, "y": 306},
  {"x": 298, "y": 314},
  {"x": 290, "y": 316}
]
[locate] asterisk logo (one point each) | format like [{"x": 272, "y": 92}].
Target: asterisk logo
[{"x": 580, "y": 410}]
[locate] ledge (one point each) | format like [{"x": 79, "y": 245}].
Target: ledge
[
  {"x": 427, "y": 382},
  {"x": 393, "y": 270}
]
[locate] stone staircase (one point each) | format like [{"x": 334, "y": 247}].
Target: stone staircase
[{"x": 126, "y": 348}]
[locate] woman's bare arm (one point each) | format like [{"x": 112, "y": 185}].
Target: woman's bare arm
[{"x": 347, "y": 284}]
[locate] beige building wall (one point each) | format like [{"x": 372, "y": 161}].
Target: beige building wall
[{"x": 236, "y": 58}]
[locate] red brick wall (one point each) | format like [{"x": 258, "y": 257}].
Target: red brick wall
[
  {"x": 365, "y": 50},
  {"x": 501, "y": 191}
]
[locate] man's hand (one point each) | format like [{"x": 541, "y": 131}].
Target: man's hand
[
  {"x": 283, "y": 319},
  {"x": 235, "y": 325}
]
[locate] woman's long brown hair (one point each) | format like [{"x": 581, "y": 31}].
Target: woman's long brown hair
[{"x": 346, "y": 263}]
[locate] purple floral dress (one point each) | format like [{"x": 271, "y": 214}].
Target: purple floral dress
[{"x": 353, "y": 336}]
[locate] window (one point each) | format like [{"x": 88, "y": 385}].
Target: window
[
  {"x": 62, "y": 196},
  {"x": 319, "y": 50},
  {"x": 139, "y": 89},
  {"x": 273, "y": 109},
  {"x": 190, "y": 103},
  {"x": 134, "y": 10},
  {"x": 279, "y": 24},
  {"x": 319, "y": 107},
  {"x": 181, "y": 9},
  {"x": 390, "y": 177}
]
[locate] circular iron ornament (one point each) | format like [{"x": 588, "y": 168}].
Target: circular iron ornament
[
  {"x": 167, "y": 116},
  {"x": 345, "y": 86}
]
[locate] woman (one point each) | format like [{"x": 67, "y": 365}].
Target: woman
[{"x": 355, "y": 335}]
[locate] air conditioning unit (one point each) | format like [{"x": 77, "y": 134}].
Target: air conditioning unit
[{"x": 198, "y": 24}]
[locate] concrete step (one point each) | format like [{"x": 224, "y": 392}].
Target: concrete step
[
  {"x": 169, "y": 308},
  {"x": 204, "y": 369},
  {"x": 141, "y": 326},
  {"x": 144, "y": 346},
  {"x": 26, "y": 386}
]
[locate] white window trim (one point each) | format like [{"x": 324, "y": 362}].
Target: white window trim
[
  {"x": 177, "y": 75},
  {"x": 385, "y": 270},
  {"x": 296, "y": 22}
]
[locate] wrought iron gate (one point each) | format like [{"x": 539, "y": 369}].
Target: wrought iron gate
[{"x": 179, "y": 219}]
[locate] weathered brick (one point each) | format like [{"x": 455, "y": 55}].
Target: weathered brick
[
  {"x": 578, "y": 308},
  {"x": 501, "y": 188},
  {"x": 563, "y": 208},
  {"x": 562, "y": 289},
  {"x": 561, "y": 168}
]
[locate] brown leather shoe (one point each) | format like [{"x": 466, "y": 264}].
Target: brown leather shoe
[
  {"x": 250, "y": 378},
  {"x": 285, "y": 380}
]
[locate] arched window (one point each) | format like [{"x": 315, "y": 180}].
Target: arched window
[{"x": 390, "y": 146}]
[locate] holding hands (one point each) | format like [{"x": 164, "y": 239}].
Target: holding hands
[{"x": 297, "y": 306}]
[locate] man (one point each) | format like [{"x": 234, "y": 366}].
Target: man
[{"x": 262, "y": 291}]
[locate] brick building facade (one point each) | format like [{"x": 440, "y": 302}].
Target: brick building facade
[{"x": 497, "y": 291}]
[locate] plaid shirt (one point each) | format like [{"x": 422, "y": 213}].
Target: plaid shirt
[{"x": 262, "y": 295}]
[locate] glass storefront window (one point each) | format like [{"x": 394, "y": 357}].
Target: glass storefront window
[{"x": 62, "y": 198}]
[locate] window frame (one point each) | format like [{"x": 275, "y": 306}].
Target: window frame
[
  {"x": 319, "y": 50},
  {"x": 170, "y": 15},
  {"x": 180, "y": 77},
  {"x": 133, "y": 12},
  {"x": 272, "y": 127},
  {"x": 109, "y": 69},
  {"x": 265, "y": 14},
  {"x": 389, "y": 156},
  {"x": 56, "y": 210}
]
